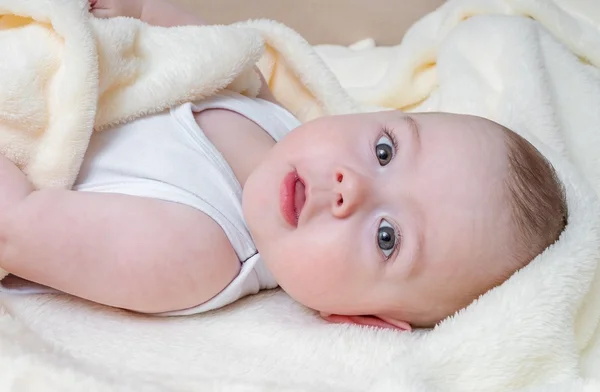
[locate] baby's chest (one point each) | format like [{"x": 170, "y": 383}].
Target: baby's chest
[{"x": 241, "y": 142}]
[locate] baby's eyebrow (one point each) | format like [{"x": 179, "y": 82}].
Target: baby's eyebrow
[{"x": 415, "y": 129}]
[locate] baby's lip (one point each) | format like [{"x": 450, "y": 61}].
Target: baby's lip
[
  {"x": 292, "y": 196},
  {"x": 299, "y": 197}
]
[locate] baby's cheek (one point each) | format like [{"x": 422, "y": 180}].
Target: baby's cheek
[
  {"x": 304, "y": 146},
  {"x": 306, "y": 273}
]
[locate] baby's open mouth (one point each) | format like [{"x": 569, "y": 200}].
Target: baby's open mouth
[{"x": 292, "y": 198}]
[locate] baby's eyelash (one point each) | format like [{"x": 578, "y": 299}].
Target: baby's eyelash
[{"x": 390, "y": 134}]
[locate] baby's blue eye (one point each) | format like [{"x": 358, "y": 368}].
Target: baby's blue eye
[
  {"x": 384, "y": 150},
  {"x": 386, "y": 238}
]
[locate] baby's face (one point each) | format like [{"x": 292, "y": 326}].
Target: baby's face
[{"x": 398, "y": 216}]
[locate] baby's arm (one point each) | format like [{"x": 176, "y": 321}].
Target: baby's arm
[{"x": 131, "y": 252}]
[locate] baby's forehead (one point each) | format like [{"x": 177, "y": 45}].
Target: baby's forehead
[
  {"x": 454, "y": 128},
  {"x": 460, "y": 128},
  {"x": 471, "y": 152},
  {"x": 441, "y": 120},
  {"x": 458, "y": 118}
]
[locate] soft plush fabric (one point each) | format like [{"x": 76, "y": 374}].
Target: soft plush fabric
[
  {"x": 530, "y": 65},
  {"x": 64, "y": 72}
]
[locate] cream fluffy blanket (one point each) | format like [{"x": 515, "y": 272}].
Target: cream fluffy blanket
[{"x": 531, "y": 65}]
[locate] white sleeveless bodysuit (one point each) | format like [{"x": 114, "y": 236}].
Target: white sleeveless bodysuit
[{"x": 166, "y": 156}]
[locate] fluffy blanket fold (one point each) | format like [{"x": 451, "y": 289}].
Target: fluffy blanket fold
[
  {"x": 531, "y": 65},
  {"x": 67, "y": 73}
]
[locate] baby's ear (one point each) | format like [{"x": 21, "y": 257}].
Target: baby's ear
[{"x": 374, "y": 321}]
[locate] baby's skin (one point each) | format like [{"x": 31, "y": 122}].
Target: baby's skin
[
  {"x": 384, "y": 219},
  {"x": 399, "y": 216}
]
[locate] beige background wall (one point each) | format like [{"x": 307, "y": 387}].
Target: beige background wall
[{"x": 324, "y": 21}]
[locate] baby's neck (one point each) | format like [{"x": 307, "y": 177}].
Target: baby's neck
[{"x": 241, "y": 141}]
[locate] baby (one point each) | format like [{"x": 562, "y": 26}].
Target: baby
[{"x": 385, "y": 219}]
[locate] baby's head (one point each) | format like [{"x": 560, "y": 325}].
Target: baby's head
[{"x": 407, "y": 218}]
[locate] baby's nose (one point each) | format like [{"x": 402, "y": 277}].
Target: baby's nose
[{"x": 350, "y": 190}]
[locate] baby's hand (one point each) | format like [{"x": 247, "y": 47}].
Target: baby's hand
[{"x": 112, "y": 8}]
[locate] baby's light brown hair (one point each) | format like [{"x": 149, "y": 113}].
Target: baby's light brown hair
[{"x": 536, "y": 199}]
